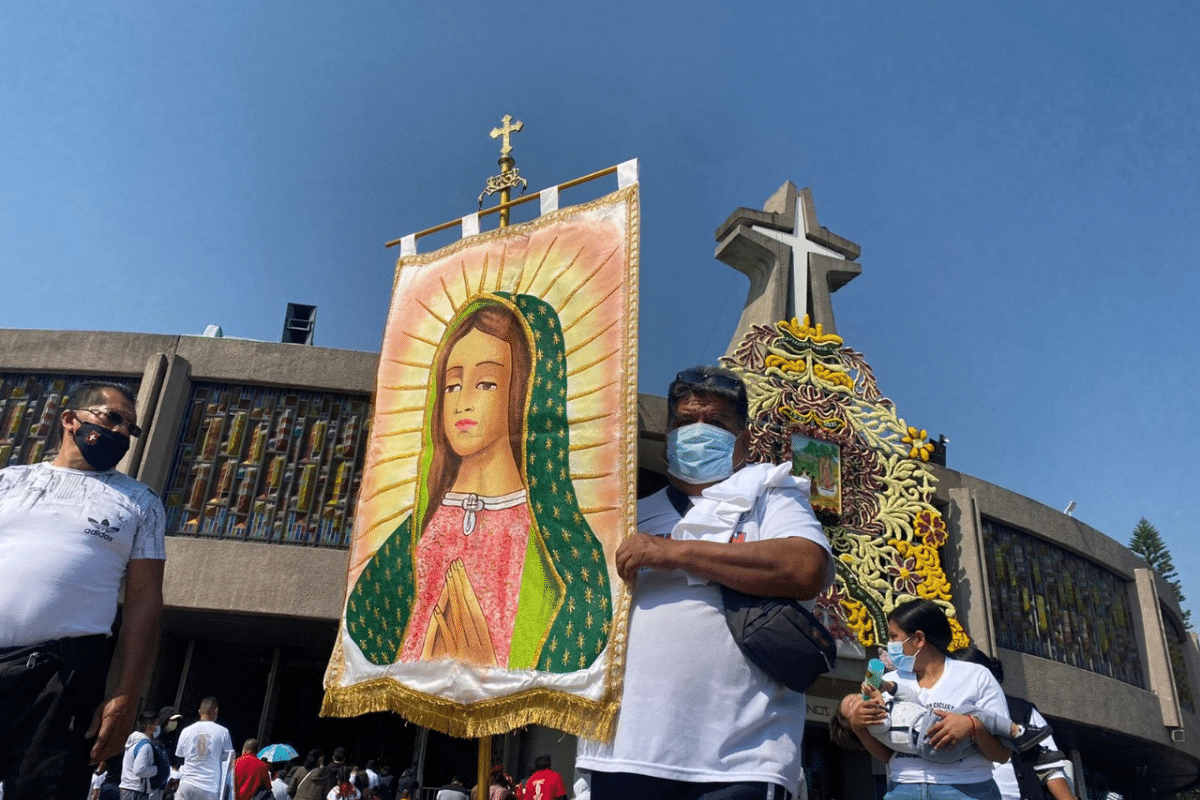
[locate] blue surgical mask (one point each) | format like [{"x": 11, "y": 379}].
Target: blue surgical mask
[
  {"x": 700, "y": 453},
  {"x": 901, "y": 661}
]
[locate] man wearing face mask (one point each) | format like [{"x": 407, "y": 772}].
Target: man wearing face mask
[
  {"x": 139, "y": 765},
  {"x": 698, "y": 720},
  {"x": 71, "y": 531}
]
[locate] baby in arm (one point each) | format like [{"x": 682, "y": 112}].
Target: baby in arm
[{"x": 904, "y": 730}]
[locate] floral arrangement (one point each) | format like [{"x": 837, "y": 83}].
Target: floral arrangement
[{"x": 886, "y": 538}]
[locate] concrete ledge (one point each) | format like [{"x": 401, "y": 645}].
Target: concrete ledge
[
  {"x": 255, "y": 578},
  {"x": 1064, "y": 691},
  {"x": 82, "y": 352},
  {"x": 268, "y": 363}
]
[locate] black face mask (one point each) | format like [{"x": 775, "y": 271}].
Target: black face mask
[{"x": 100, "y": 447}]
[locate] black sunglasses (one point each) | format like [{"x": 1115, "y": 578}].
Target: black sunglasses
[
  {"x": 693, "y": 377},
  {"x": 112, "y": 419}
]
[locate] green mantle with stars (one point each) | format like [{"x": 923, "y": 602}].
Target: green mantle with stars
[{"x": 564, "y": 613}]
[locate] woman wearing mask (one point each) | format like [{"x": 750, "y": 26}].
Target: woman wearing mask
[{"x": 919, "y": 638}]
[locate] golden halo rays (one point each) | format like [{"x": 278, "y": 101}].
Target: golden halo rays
[
  {"x": 405, "y": 410},
  {"x": 585, "y": 367},
  {"x": 568, "y": 267},
  {"x": 590, "y": 309},
  {"x": 576, "y": 348},
  {"x": 402, "y": 362},
  {"x": 432, "y": 313},
  {"x": 576, "y": 261},
  {"x": 538, "y": 271},
  {"x": 446, "y": 291},
  {"x": 412, "y": 335},
  {"x": 589, "y": 392},
  {"x": 406, "y": 388},
  {"x": 566, "y": 300}
]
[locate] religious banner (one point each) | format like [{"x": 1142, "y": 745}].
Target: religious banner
[{"x": 500, "y": 477}]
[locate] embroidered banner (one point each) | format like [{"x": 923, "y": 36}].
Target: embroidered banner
[{"x": 500, "y": 478}]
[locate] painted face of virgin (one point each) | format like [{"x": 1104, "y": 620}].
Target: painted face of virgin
[{"x": 475, "y": 394}]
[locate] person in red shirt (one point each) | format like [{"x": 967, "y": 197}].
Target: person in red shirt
[
  {"x": 250, "y": 774},
  {"x": 544, "y": 783}
]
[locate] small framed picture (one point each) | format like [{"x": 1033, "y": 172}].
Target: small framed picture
[{"x": 821, "y": 463}]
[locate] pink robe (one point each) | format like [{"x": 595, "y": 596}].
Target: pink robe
[{"x": 494, "y": 557}]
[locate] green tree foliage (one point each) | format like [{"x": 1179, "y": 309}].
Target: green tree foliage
[{"x": 1148, "y": 544}]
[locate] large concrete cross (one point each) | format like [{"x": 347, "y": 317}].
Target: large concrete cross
[{"x": 794, "y": 264}]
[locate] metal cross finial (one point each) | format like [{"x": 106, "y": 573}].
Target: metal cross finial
[
  {"x": 504, "y": 130},
  {"x": 509, "y": 176}
]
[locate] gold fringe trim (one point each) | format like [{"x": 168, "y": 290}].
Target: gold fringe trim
[{"x": 549, "y": 707}]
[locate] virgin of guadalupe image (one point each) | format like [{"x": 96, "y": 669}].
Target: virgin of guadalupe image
[{"x": 496, "y": 565}]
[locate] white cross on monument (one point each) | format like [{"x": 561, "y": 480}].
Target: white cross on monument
[
  {"x": 794, "y": 264},
  {"x": 801, "y": 246}
]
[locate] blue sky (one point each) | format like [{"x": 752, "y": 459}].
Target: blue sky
[{"x": 1023, "y": 178}]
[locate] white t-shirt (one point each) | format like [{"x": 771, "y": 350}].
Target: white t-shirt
[
  {"x": 1006, "y": 777},
  {"x": 66, "y": 537},
  {"x": 204, "y": 746},
  {"x": 961, "y": 683},
  {"x": 279, "y": 789},
  {"x": 693, "y": 708}
]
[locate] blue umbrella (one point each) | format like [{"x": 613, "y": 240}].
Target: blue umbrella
[{"x": 277, "y": 752}]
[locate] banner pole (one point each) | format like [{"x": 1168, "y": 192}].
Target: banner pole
[{"x": 509, "y": 177}]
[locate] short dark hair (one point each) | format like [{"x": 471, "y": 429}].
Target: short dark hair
[
  {"x": 313, "y": 758},
  {"x": 842, "y": 734},
  {"x": 541, "y": 762},
  {"x": 339, "y": 754},
  {"x": 93, "y": 392},
  {"x": 698, "y": 381},
  {"x": 927, "y": 617},
  {"x": 145, "y": 718},
  {"x": 208, "y": 705}
]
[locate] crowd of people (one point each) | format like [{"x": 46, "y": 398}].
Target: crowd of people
[{"x": 163, "y": 760}]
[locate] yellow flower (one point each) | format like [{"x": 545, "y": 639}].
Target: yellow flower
[
  {"x": 918, "y": 447},
  {"x": 959, "y": 639},
  {"x": 859, "y": 621}
]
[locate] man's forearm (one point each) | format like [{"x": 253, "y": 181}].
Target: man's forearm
[
  {"x": 137, "y": 645},
  {"x": 134, "y": 657},
  {"x": 785, "y": 567}
]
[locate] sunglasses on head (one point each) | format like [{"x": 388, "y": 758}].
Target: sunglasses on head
[{"x": 692, "y": 377}]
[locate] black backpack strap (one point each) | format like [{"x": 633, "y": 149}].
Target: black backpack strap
[{"x": 1020, "y": 710}]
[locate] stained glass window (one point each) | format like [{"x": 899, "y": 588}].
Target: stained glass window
[
  {"x": 1052, "y": 603},
  {"x": 267, "y": 464}
]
